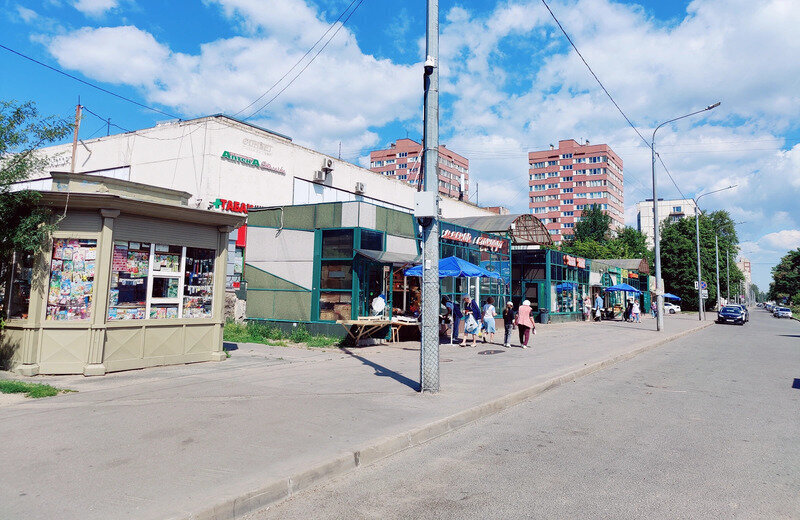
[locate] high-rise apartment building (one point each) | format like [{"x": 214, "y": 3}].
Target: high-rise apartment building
[
  {"x": 564, "y": 181},
  {"x": 668, "y": 209},
  {"x": 403, "y": 160}
]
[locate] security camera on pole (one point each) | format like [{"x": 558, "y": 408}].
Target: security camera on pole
[{"x": 426, "y": 210}]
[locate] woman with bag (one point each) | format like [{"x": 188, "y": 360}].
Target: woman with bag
[
  {"x": 524, "y": 323},
  {"x": 471, "y": 324},
  {"x": 489, "y": 312}
]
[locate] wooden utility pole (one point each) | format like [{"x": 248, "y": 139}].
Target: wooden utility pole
[{"x": 75, "y": 136}]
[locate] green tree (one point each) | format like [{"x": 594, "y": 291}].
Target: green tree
[
  {"x": 634, "y": 244},
  {"x": 593, "y": 225},
  {"x": 22, "y": 131},
  {"x": 786, "y": 278},
  {"x": 679, "y": 256}
]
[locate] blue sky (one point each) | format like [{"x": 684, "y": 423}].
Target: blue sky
[{"x": 510, "y": 84}]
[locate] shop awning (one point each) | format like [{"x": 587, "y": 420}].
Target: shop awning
[
  {"x": 622, "y": 287},
  {"x": 387, "y": 257},
  {"x": 670, "y": 296},
  {"x": 453, "y": 267}
]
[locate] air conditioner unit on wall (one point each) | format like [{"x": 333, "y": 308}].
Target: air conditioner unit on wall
[
  {"x": 327, "y": 164},
  {"x": 320, "y": 176},
  {"x": 359, "y": 187}
]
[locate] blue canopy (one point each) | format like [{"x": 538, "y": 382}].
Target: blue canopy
[
  {"x": 454, "y": 267},
  {"x": 623, "y": 287},
  {"x": 670, "y": 296}
]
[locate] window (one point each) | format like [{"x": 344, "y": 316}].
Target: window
[
  {"x": 22, "y": 277},
  {"x": 538, "y": 176},
  {"x": 539, "y": 187},
  {"x": 402, "y": 165},
  {"x": 552, "y": 163},
  {"x": 552, "y": 174},
  {"x": 552, "y": 208},
  {"x": 566, "y": 179},
  {"x": 539, "y": 165},
  {"x": 337, "y": 243},
  {"x": 376, "y": 164},
  {"x": 552, "y": 186},
  {"x": 402, "y": 154},
  {"x": 579, "y": 160},
  {"x": 567, "y": 213},
  {"x": 389, "y": 161},
  {"x": 566, "y": 156},
  {"x": 568, "y": 201},
  {"x": 567, "y": 190},
  {"x": 565, "y": 167},
  {"x": 539, "y": 210},
  {"x": 160, "y": 281},
  {"x": 676, "y": 209},
  {"x": 71, "y": 279},
  {"x": 372, "y": 240},
  {"x": 567, "y": 225}
]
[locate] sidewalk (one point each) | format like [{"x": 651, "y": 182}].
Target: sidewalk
[{"x": 175, "y": 442}]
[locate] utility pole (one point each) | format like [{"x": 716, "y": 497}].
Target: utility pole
[
  {"x": 700, "y": 308},
  {"x": 716, "y": 255},
  {"x": 429, "y": 351},
  {"x": 727, "y": 275},
  {"x": 75, "y": 135}
]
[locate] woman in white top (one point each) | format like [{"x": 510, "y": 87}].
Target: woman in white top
[
  {"x": 489, "y": 312},
  {"x": 636, "y": 311}
]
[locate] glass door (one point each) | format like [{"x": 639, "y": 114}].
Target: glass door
[{"x": 531, "y": 291}]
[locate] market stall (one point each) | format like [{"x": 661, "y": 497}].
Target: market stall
[{"x": 132, "y": 277}]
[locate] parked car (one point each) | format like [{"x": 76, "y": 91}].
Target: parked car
[
  {"x": 731, "y": 314},
  {"x": 782, "y": 312},
  {"x": 746, "y": 312},
  {"x": 671, "y": 307}
]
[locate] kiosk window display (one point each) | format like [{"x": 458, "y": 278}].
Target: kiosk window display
[
  {"x": 71, "y": 285},
  {"x": 160, "y": 281}
]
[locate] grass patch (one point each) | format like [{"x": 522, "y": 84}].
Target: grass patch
[
  {"x": 264, "y": 333},
  {"x": 34, "y": 390}
]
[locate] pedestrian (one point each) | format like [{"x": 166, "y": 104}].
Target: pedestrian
[
  {"x": 524, "y": 323},
  {"x": 587, "y": 308},
  {"x": 654, "y": 309},
  {"x": 489, "y": 312},
  {"x": 636, "y": 310},
  {"x": 472, "y": 316},
  {"x": 598, "y": 307},
  {"x": 509, "y": 317},
  {"x": 455, "y": 313},
  {"x": 626, "y": 316}
]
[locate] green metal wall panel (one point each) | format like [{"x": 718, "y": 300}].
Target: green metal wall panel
[
  {"x": 260, "y": 304},
  {"x": 259, "y": 279},
  {"x": 291, "y": 306},
  {"x": 264, "y": 218}
]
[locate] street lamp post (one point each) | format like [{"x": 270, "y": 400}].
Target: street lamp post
[
  {"x": 656, "y": 233},
  {"x": 716, "y": 261},
  {"x": 700, "y": 307}
]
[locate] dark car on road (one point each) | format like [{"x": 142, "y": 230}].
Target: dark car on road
[{"x": 731, "y": 314}]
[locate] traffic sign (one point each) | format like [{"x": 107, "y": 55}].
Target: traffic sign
[
  {"x": 703, "y": 285},
  {"x": 704, "y": 293}
]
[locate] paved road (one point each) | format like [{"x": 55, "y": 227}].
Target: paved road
[{"x": 704, "y": 427}]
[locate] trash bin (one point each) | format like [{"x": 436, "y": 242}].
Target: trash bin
[{"x": 544, "y": 316}]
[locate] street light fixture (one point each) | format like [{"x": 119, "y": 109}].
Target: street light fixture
[
  {"x": 656, "y": 234},
  {"x": 700, "y": 308}
]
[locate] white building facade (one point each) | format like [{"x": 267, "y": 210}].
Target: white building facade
[
  {"x": 671, "y": 210},
  {"x": 230, "y": 165}
]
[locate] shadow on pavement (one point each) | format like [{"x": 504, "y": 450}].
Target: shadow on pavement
[{"x": 382, "y": 371}]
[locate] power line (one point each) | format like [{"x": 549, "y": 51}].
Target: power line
[
  {"x": 259, "y": 98},
  {"x": 129, "y": 100},
  {"x": 134, "y": 132},
  {"x": 307, "y": 64}
]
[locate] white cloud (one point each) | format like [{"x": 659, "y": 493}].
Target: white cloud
[
  {"x": 341, "y": 96},
  {"x": 95, "y": 7},
  {"x": 782, "y": 240},
  {"x": 25, "y": 14}
]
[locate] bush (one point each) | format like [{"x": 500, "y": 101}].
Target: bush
[
  {"x": 34, "y": 390},
  {"x": 265, "y": 333}
]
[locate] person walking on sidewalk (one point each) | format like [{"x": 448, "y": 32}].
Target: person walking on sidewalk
[
  {"x": 587, "y": 308},
  {"x": 636, "y": 311},
  {"x": 654, "y": 309},
  {"x": 598, "y": 307},
  {"x": 472, "y": 319},
  {"x": 509, "y": 317},
  {"x": 489, "y": 312},
  {"x": 524, "y": 323}
]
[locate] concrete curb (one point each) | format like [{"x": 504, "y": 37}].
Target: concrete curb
[{"x": 232, "y": 507}]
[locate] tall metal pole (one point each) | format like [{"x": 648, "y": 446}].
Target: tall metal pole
[
  {"x": 429, "y": 351},
  {"x": 716, "y": 255},
  {"x": 700, "y": 308},
  {"x": 656, "y": 233},
  {"x": 657, "y": 241},
  {"x": 727, "y": 275}
]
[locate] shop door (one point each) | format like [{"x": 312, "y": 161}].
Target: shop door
[
  {"x": 531, "y": 291},
  {"x": 371, "y": 284}
]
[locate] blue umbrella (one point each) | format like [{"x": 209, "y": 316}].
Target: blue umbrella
[
  {"x": 454, "y": 267},
  {"x": 670, "y": 296},
  {"x": 622, "y": 287}
]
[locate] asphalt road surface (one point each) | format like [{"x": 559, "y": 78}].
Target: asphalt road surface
[{"x": 704, "y": 427}]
